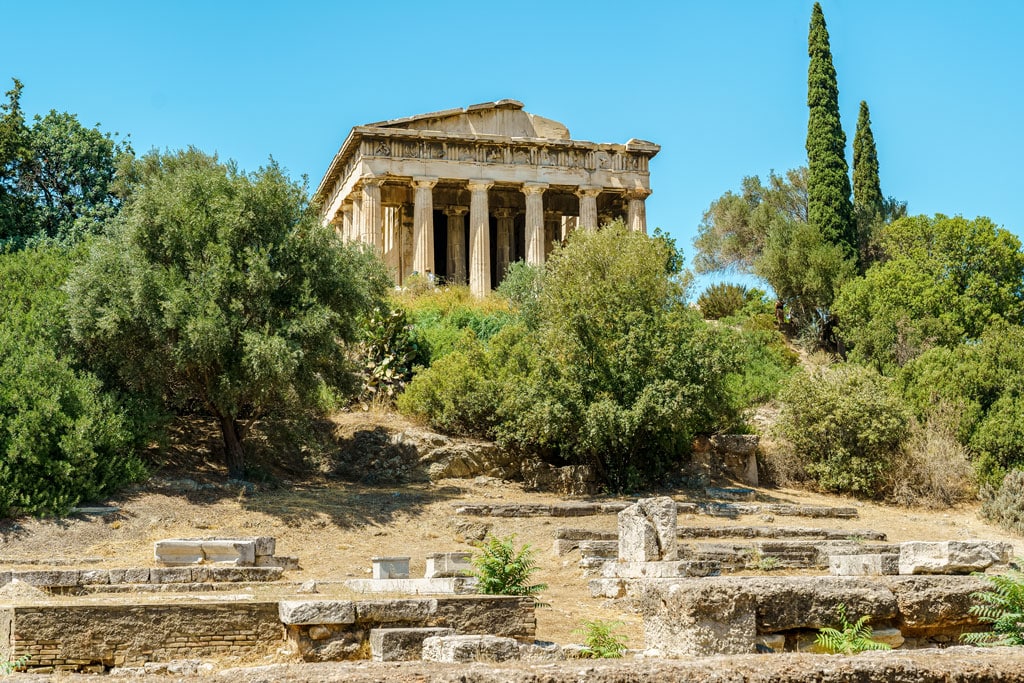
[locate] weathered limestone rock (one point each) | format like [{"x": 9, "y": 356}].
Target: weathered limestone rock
[
  {"x": 647, "y": 531},
  {"x": 454, "y": 585},
  {"x": 874, "y": 564},
  {"x": 306, "y": 612},
  {"x": 890, "y": 636},
  {"x": 390, "y": 567},
  {"x": 401, "y": 644},
  {"x": 541, "y": 651},
  {"x": 696, "y": 618},
  {"x": 952, "y": 557},
  {"x": 931, "y": 605},
  {"x": 453, "y": 649},
  {"x": 444, "y": 565}
]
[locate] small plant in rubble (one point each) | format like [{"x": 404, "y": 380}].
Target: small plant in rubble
[
  {"x": 601, "y": 640},
  {"x": 9, "y": 667},
  {"x": 848, "y": 639},
  {"x": 1002, "y": 606},
  {"x": 501, "y": 569}
]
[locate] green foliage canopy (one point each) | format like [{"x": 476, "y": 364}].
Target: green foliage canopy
[
  {"x": 945, "y": 281},
  {"x": 220, "y": 291}
]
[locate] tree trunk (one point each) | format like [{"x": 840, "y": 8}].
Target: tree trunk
[{"x": 234, "y": 457}]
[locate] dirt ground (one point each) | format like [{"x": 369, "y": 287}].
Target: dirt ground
[{"x": 335, "y": 527}]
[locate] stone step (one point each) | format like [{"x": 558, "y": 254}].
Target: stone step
[
  {"x": 697, "y": 532},
  {"x": 401, "y": 644},
  {"x": 71, "y": 578},
  {"x": 604, "y": 549},
  {"x": 714, "y": 509}
]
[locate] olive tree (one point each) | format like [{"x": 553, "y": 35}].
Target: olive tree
[{"x": 219, "y": 291}]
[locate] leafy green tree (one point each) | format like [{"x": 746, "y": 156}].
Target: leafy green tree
[
  {"x": 806, "y": 271},
  {"x": 58, "y": 178},
  {"x": 735, "y": 228},
  {"x": 828, "y": 182},
  {"x": 944, "y": 282},
  {"x": 626, "y": 373},
  {"x": 220, "y": 291}
]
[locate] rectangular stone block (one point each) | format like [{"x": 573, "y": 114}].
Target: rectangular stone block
[
  {"x": 48, "y": 578},
  {"x": 94, "y": 577},
  {"x": 283, "y": 561},
  {"x": 170, "y": 575},
  {"x": 603, "y": 549},
  {"x": 395, "y": 611},
  {"x": 585, "y": 534},
  {"x": 264, "y": 545},
  {"x": 454, "y": 649},
  {"x": 401, "y": 644},
  {"x": 455, "y": 585},
  {"x": 5, "y": 578},
  {"x": 700, "y": 619},
  {"x": 137, "y": 575},
  {"x": 658, "y": 570},
  {"x": 874, "y": 564},
  {"x": 180, "y": 552},
  {"x": 444, "y": 565},
  {"x": 952, "y": 557},
  {"x": 638, "y": 540},
  {"x": 390, "y": 567},
  {"x": 312, "y": 612}
]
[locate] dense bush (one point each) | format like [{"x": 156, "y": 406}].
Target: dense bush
[
  {"x": 984, "y": 381},
  {"x": 847, "y": 424},
  {"x": 440, "y": 316},
  {"x": 1005, "y": 505},
  {"x": 63, "y": 439},
  {"x": 764, "y": 359},
  {"x": 385, "y": 355},
  {"x": 724, "y": 299}
]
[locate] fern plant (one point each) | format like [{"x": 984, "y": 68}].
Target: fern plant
[
  {"x": 501, "y": 569},
  {"x": 601, "y": 640},
  {"x": 848, "y": 639},
  {"x": 1002, "y": 606}
]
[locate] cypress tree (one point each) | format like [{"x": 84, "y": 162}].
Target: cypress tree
[
  {"x": 867, "y": 189},
  {"x": 828, "y": 180}
]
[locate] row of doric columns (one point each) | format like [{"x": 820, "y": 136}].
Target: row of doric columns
[{"x": 364, "y": 218}]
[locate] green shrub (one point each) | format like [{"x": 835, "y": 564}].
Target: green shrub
[
  {"x": 1002, "y": 606},
  {"x": 601, "y": 640},
  {"x": 439, "y": 318},
  {"x": 848, "y": 639},
  {"x": 725, "y": 299},
  {"x": 502, "y": 569},
  {"x": 847, "y": 425},
  {"x": 1004, "y": 505},
  {"x": 63, "y": 437},
  {"x": 765, "y": 362}
]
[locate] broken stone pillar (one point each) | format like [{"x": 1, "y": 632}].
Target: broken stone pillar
[
  {"x": 952, "y": 557},
  {"x": 699, "y": 619},
  {"x": 647, "y": 531}
]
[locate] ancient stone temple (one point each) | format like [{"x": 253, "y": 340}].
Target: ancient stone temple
[{"x": 460, "y": 194}]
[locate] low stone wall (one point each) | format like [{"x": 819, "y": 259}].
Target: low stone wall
[
  {"x": 340, "y": 630},
  {"x": 66, "y": 580},
  {"x": 96, "y": 637},
  {"x": 731, "y": 615}
]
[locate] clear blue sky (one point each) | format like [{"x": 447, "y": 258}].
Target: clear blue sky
[{"x": 721, "y": 86}]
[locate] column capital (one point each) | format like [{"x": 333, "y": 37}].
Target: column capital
[
  {"x": 534, "y": 188},
  {"x": 478, "y": 185},
  {"x": 456, "y": 210},
  {"x": 638, "y": 193},
  {"x": 424, "y": 181},
  {"x": 588, "y": 190},
  {"x": 504, "y": 213},
  {"x": 371, "y": 180}
]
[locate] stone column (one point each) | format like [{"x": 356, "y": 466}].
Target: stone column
[
  {"x": 588, "y": 207},
  {"x": 346, "y": 221},
  {"x": 391, "y": 242},
  {"x": 357, "y": 216},
  {"x": 479, "y": 239},
  {"x": 552, "y": 231},
  {"x": 457, "y": 244},
  {"x": 372, "y": 213},
  {"x": 423, "y": 226},
  {"x": 637, "y": 220},
  {"x": 534, "y": 222},
  {"x": 568, "y": 226},
  {"x": 506, "y": 240}
]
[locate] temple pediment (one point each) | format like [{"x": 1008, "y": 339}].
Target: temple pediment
[{"x": 504, "y": 117}]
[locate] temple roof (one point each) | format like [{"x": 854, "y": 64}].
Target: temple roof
[{"x": 504, "y": 117}]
